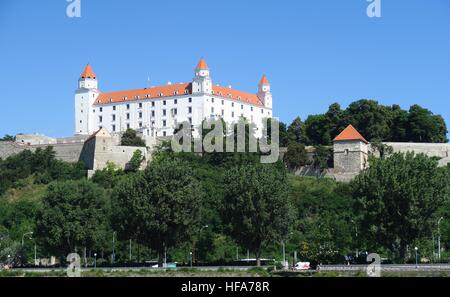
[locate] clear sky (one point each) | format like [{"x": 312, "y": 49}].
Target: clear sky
[{"x": 314, "y": 52}]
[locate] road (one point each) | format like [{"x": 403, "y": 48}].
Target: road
[{"x": 388, "y": 267}]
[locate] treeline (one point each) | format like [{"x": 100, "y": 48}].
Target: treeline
[
  {"x": 374, "y": 121},
  {"x": 41, "y": 163},
  {"x": 219, "y": 207}
]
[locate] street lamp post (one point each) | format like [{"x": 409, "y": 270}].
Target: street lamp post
[
  {"x": 130, "y": 250},
  {"x": 417, "y": 257},
  {"x": 284, "y": 254},
  {"x": 356, "y": 237},
  {"x": 95, "y": 260},
  {"x": 23, "y": 236},
  {"x": 193, "y": 248},
  {"x": 439, "y": 239},
  {"x": 190, "y": 258},
  {"x": 113, "y": 256}
]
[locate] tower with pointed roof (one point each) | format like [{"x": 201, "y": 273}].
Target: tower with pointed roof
[
  {"x": 85, "y": 96},
  {"x": 264, "y": 93},
  {"x": 202, "y": 83},
  {"x": 351, "y": 151}
]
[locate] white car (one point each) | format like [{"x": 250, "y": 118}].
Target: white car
[{"x": 302, "y": 266}]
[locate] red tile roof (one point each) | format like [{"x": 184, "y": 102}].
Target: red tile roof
[
  {"x": 350, "y": 133},
  {"x": 170, "y": 91},
  {"x": 88, "y": 72},
  {"x": 202, "y": 65},
  {"x": 145, "y": 93},
  {"x": 236, "y": 95},
  {"x": 264, "y": 81}
]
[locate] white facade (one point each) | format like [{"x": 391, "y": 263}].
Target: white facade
[{"x": 156, "y": 111}]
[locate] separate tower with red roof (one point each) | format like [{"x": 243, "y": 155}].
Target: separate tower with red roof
[{"x": 351, "y": 151}]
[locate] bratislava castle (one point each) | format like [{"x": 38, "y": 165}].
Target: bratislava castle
[{"x": 157, "y": 111}]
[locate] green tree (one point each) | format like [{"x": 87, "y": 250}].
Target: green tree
[
  {"x": 158, "y": 207},
  {"x": 109, "y": 176},
  {"x": 296, "y": 156},
  {"x": 135, "y": 162},
  {"x": 323, "y": 221},
  {"x": 317, "y": 130},
  {"x": 398, "y": 197},
  {"x": 323, "y": 157},
  {"x": 256, "y": 206},
  {"x": 424, "y": 126},
  {"x": 8, "y": 138},
  {"x": 130, "y": 138},
  {"x": 73, "y": 215},
  {"x": 295, "y": 131}
]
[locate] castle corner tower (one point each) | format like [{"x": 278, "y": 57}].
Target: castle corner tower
[
  {"x": 85, "y": 96},
  {"x": 264, "y": 93},
  {"x": 202, "y": 83}
]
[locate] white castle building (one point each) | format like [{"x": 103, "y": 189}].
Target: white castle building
[{"x": 157, "y": 111}]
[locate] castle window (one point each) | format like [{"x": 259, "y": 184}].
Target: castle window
[
  {"x": 153, "y": 104},
  {"x": 164, "y": 112},
  {"x": 100, "y": 119},
  {"x": 125, "y": 98},
  {"x": 175, "y": 101},
  {"x": 128, "y": 126},
  {"x": 190, "y": 100},
  {"x": 346, "y": 152},
  {"x": 175, "y": 111},
  {"x": 140, "y": 124},
  {"x": 223, "y": 102},
  {"x": 190, "y": 120},
  {"x": 101, "y": 109},
  {"x": 164, "y": 123},
  {"x": 128, "y": 116},
  {"x": 140, "y": 105},
  {"x": 113, "y": 117},
  {"x": 164, "y": 133},
  {"x": 128, "y": 106},
  {"x": 242, "y": 106},
  {"x": 140, "y": 115},
  {"x": 153, "y": 113},
  {"x": 114, "y": 107},
  {"x": 164, "y": 102},
  {"x": 136, "y": 97},
  {"x": 212, "y": 110},
  {"x": 232, "y": 114},
  {"x": 262, "y": 111},
  {"x": 190, "y": 109},
  {"x": 251, "y": 108},
  {"x": 185, "y": 91},
  {"x": 232, "y": 104},
  {"x": 212, "y": 100},
  {"x": 114, "y": 128},
  {"x": 161, "y": 94},
  {"x": 223, "y": 112}
]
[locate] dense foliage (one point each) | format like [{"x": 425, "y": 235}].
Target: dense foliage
[
  {"x": 130, "y": 138},
  {"x": 158, "y": 207},
  {"x": 374, "y": 121},
  {"x": 397, "y": 200},
  {"x": 256, "y": 207},
  {"x": 42, "y": 164}
]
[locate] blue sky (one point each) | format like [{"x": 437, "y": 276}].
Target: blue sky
[{"x": 314, "y": 52}]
